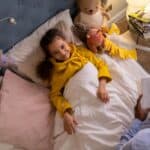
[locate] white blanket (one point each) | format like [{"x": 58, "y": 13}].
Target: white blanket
[{"x": 100, "y": 125}]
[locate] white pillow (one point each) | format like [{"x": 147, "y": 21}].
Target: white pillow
[{"x": 27, "y": 53}]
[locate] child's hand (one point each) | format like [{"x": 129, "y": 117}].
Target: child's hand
[
  {"x": 102, "y": 92},
  {"x": 69, "y": 123},
  {"x": 141, "y": 113}
]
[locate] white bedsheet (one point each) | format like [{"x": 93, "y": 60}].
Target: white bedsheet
[{"x": 100, "y": 125}]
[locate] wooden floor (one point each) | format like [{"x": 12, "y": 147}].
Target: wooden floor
[{"x": 144, "y": 59}]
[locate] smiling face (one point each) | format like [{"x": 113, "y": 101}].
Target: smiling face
[{"x": 59, "y": 49}]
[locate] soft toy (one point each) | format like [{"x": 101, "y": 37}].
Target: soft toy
[
  {"x": 6, "y": 62},
  {"x": 92, "y": 13}
]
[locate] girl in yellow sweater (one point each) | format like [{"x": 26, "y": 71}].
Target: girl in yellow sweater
[{"x": 62, "y": 61}]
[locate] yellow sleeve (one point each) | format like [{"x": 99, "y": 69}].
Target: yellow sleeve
[
  {"x": 98, "y": 62},
  {"x": 56, "y": 97},
  {"x": 115, "y": 50},
  {"x": 114, "y": 29}
]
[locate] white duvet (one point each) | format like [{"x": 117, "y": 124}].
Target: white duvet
[{"x": 100, "y": 125}]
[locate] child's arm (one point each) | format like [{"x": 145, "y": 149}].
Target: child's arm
[
  {"x": 102, "y": 93},
  {"x": 103, "y": 76},
  {"x": 57, "y": 84},
  {"x": 62, "y": 105},
  {"x": 69, "y": 122},
  {"x": 56, "y": 97},
  {"x": 103, "y": 72},
  {"x": 114, "y": 50}
]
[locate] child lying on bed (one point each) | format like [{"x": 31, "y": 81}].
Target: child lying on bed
[
  {"x": 62, "y": 61},
  {"x": 97, "y": 42}
]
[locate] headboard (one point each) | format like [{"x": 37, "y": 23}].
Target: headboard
[{"x": 29, "y": 14}]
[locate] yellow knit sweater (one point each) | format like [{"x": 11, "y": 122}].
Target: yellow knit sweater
[
  {"x": 63, "y": 71},
  {"x": 114, "y": 50}
]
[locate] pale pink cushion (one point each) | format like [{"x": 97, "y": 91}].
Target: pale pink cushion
[{"x": 26, "y": 116}]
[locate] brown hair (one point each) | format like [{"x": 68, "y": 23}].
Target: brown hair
[{"x": 45, "y": 66}]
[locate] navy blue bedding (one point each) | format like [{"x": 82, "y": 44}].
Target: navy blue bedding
[{"x": 29, "y": 14}]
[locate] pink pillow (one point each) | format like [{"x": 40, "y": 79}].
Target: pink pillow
[{"x": 26, "y": 116}]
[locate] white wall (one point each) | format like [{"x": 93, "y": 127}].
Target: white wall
[
  {"x": 117, "y": 6},
  {"x": 135, "y": 5}
]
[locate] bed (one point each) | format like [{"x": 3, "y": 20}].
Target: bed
[{"x": 27, "y": 120}]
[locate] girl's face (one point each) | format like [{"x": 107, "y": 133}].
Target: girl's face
[
  {"x": 95, "y": 40},
  {"x": 59, "y": 49}
]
